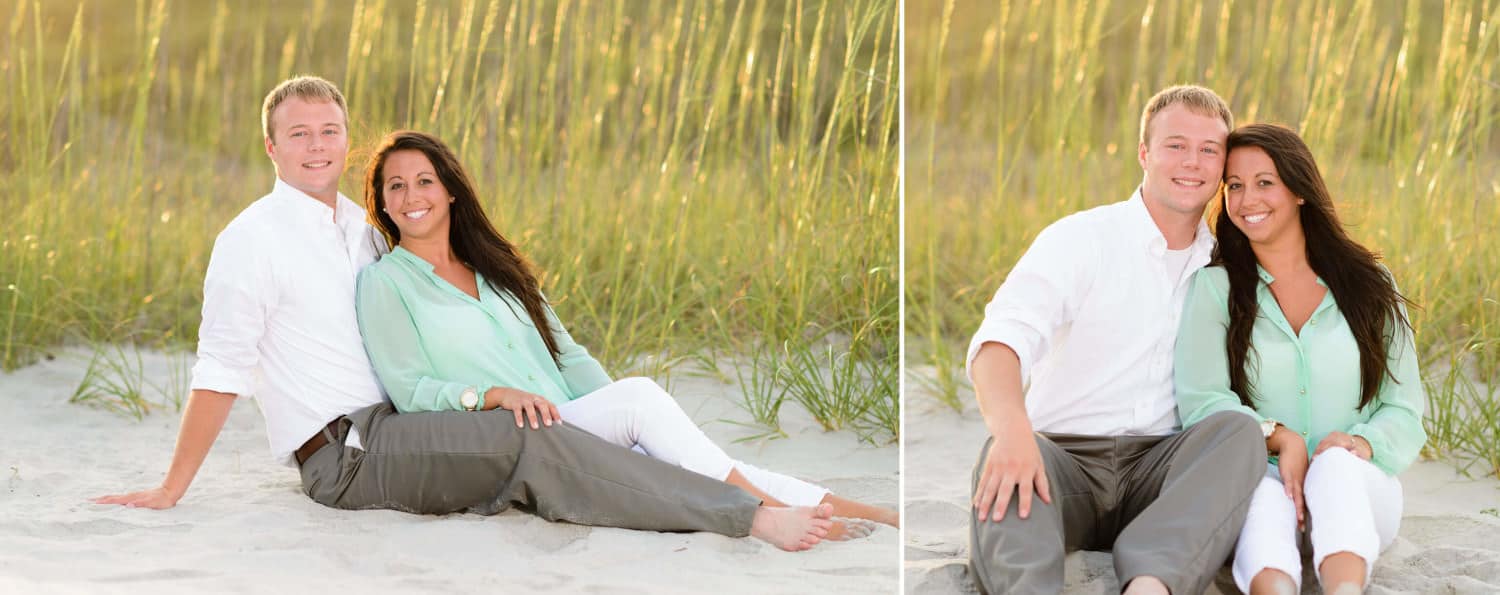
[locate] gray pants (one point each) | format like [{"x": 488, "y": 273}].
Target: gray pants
[
  {"x": 450, "y": 461},
  {"x": 1167, "y": 506}
]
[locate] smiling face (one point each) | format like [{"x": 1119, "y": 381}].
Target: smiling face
[
  {"x": 308, "y": 144},
  {"x": 1257, "y": 201},
  {"x": 1183, "y": 158},
  {"x": 415, "y": 198}
]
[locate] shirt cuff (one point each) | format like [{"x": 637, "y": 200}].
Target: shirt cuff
[
  {"x": 1009, "y": 334},
  {"x": 1380, "y": 447},
  {"x": 209, "y": 374}
]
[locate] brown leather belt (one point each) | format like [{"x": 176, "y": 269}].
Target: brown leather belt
[{"x": 318, "y": 440}]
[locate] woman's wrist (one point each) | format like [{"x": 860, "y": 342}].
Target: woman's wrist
[
  {"x": 1363, "y": 449},
  {"x": 1282, "y": 439}
]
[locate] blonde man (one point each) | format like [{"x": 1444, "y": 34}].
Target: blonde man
[{"x": 1089, "y": 455}]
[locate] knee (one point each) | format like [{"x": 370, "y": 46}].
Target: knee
[
  {"x": 1332, "y": 468},
  {"x": 1241, "y": 435},
  {"x": 645, "y": 393},
  {"x": 1235, "y": 427}
]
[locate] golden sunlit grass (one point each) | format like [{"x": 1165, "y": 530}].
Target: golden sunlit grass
[
  {"x": 706, "y": 181},
  {"x": 1022, "y": 112}
]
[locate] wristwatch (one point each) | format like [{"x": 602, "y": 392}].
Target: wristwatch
[
  {"x": 469, "y": 399},
  {"x": 1268, "y": 427}
]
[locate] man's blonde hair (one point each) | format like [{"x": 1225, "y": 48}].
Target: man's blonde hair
[
  {"x": 1200, "y": 100},
  {"x": 306, "y": 88}
]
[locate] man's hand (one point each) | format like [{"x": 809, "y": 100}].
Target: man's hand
[
  {"x": 1013, "y": 465},
  {"x": 156, "y": 498}
]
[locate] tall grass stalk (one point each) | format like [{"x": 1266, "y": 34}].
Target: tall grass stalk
[
  {"x": 1022, "y": 112},
  {"x": 659, "y": 161}
]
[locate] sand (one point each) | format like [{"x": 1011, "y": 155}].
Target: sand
[
  {"x": 1447, "y": 543},
  {"x": 245, "y": 526}
]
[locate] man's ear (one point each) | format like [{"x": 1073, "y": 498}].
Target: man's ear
[
  {"x": 270, "y": 147},
  {"x": 1140, "y": 154}
]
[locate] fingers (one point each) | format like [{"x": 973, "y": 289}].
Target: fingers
[
  {"x": 1024, "y": 490},
  {"x": 1002, "y": 498},
  {"x": 1323, "y": 445},
  {"x": 520, "y": 417},
  {"x": 989, "y": 486},
  {"x": 556, "y": 414},
  {"x": 1043, "y": 488}
]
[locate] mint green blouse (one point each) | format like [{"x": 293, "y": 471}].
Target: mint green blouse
[
  {"x": 428, "y": 340},
  {"x": 1309, "y": 383}
]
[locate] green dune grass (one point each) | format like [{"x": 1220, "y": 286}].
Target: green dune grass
[
  {"x": 1022, "y": 112},
  {"x": 712, "y": 182}
]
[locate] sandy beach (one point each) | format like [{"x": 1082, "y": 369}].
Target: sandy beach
[
  {"x": 245, "y": 526},
  {"x": 1446, "y": 543}
]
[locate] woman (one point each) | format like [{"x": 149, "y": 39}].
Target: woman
[
  {"x": 453, "y": 319},
  {"x": 1300, "y": 327}
]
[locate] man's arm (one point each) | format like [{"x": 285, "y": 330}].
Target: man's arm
[
  {"x": 201, "y": 422},
  {"x": 1014, "y": 463}
]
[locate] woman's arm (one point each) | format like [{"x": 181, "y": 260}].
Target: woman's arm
[
  {"x": 1394, "y": 430},
  {"x": 580, "y": 370},
  {"x": 1201, "y": 365},
  {"x": 395, "y": 350}
]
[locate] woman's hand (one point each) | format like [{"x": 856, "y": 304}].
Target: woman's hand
[
  {"x": 520, "y": 402},
  {"x": 1291, "y": 457},
  {"x": 1355, "y": 444}
]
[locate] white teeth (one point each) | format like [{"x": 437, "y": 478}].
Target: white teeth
[
  {"x": 414, "y": 215},
  {"x": 1189, "y": 183},
  {"x": 1256, "y": 218},
  {"x": 316, "y": 165}
]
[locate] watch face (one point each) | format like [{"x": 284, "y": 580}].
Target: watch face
[{"x": 469, "y": 399}]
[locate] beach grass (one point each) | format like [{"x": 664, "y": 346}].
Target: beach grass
[
  {"x": 714, "y": 180},
  {"x": 1022, "y": 112}
]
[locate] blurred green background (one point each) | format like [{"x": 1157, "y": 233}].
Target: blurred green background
[
  {"x": 1021, "y": 112},
  {"x": 713, "y": 183}
]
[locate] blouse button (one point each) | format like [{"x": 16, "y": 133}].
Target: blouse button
[{"x": 531, "y": 377}]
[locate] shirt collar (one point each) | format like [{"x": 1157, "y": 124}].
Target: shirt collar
[
  {"x": 1143, "y": 229},
  {"x": 1267, "y": 279},
  {"x": 304, "y": 208},
  {"x": 412, "y": 260}
]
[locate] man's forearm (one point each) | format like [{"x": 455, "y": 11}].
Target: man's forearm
[
  {"x": 997, "y": 387},
  {"x": 201, "y": 422}
]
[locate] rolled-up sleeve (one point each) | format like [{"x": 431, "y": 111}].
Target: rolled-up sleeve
[
  {"x": 239, "y": 294},
  {"x": 1038, "y": 296},
  {"x": 580, "y": 370},
  {"x": 395, "y": 349},
  {"x": 1200, "y": 361},
  {"x": 1394, "y": 430}
]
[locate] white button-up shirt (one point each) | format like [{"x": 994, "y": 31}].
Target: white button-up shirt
[
  {"x": 278, "y": 314},
  {"x": 1091, "y": 310}
]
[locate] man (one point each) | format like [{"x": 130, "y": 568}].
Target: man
[
  {"x": 1090, "y": 455},
  {"x": 279, "y": 323}
]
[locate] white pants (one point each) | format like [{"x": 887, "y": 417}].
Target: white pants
[
  {"x": 1352, "y": 506},
  {"x": 636, "y": 413}
]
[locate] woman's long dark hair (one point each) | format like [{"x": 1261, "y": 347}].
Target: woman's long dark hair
[
  {"x": 1365, "y": 293},
  {"x": 472, "y": 236}
]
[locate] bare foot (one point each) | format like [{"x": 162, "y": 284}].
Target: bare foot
[
  {"x": 1146, "y": 585},
  {"x": 792, "y": 529},
  {"x": 846, "y": 529}
]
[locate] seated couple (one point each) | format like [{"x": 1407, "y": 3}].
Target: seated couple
[
  {"x": 1159, "y": 389},
  {"x": 299, "y": 295}
]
